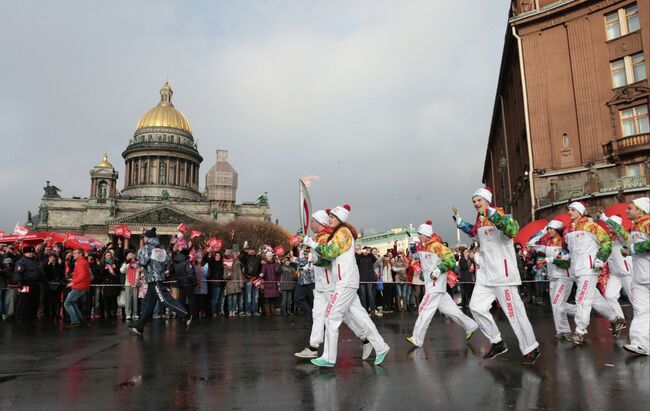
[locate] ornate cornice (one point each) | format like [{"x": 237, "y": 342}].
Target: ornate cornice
[
  {"x": 160, "y": 146},
  {"x": 164, "y": 213}
]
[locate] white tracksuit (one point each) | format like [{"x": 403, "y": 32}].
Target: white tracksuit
[
  {"x": 640, "y": 326},
  {"x": 620, "y": 269},
  {"x": 560, "y": 285},
  {"x": 344, "y": 301},
  {"x": 583, "y": 245},
  {"x": 436, "y": 297},
  {"x": 325, "y": 284},
  {"x": 497, "y": 277}
]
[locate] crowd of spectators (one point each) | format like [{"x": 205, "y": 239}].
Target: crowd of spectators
[{"x": 36, "y": 283}]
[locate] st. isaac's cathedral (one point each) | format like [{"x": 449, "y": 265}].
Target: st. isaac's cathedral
[{"x": 160, "y": 185}]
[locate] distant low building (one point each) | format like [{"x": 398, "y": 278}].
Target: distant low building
[
  {"x": 161, "y": 185},
  {"x": 386, "y": 240}
]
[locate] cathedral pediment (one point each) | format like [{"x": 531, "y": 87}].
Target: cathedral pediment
[{"x": 163, "y": 214}]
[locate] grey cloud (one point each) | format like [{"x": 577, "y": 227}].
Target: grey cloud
[{"x": 389, "y": 102}]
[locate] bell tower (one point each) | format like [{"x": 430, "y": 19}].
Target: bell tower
[{"x": 103, "y": 180}]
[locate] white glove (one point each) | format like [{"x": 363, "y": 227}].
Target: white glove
[
  {"x": 603, "y": 217},
  {"x": 599, "y": 264},
  {"x": 309, "y": 242},
  {"x": 456, "y": 216}
]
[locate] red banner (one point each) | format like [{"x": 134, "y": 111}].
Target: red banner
[
  {"x": 195, "y": 234},
  {"x": 452, "y": 279},
  {"x": 183, "y": 228},
  {"x": 279, "y": 251},
  {"x": 2, "y": 233},
  {"x": 122, "y": 231},
  {"x": 215, "y": 244},
  {"x": 417, "y": 267},
  {"x": 295, "y": 240}
]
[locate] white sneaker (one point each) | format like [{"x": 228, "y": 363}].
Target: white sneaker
[
  {"x": 307, "y": 353},
  {"x": 128, "y": 318},
  {"x": 378, "y": 313},
  {"x": 367, "y": 350},
  {"x": 635, "y": 349}
]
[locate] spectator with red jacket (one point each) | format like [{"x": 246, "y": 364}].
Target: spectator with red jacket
[{"x": 80, "y": 285}]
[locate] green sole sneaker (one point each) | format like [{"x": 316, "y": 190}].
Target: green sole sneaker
[
  {"x": 322, "y": 363},
  {"x": 468, "y": 335},
  {"x": 380, "y": 357}
]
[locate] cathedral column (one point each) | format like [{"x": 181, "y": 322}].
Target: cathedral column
[
  {"x": 178, "y": 172},
  {"x": 139, "y": 170},
  {"x": 191, "y": 167},
  {"x": 169, "y": 166}
]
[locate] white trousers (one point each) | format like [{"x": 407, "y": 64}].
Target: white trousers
[
  {"x": 343, "y": 301},
  {"x": 640, "y": 327},
  {"x": 613, "y": 292},
  {"x": 431, "y": 302},
  {"x": 511, "y": 304},
  {"x": 321, "y": 300},
  {"x": 588, "y": 296},
  {"x": 560, "y": 289}
]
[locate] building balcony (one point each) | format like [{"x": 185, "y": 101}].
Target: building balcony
[
  {"x": 627, "y": 146},
  {"x": 563, "y": 191}
]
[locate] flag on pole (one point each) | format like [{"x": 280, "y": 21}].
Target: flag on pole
[
  {"x": 305, "y": 206},
  {"x": 20, "y": 230},
  {"x": 195, "y": 234}
]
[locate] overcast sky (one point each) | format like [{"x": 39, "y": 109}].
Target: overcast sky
[{"x": 389, "y": 102}]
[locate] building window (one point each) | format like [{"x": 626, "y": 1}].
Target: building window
[
  {"x": 102, "y": 189},
  {"x": 637, "y": 61},
  {"x": 565, "y": 140},
  {"x": 628, "y": 70},
  {"x": 622, "y": 22},
  {"x": 619, "y": 78},
  {"x": 163, "y": 173},
  {"x": 633, "y": 170},
  {"x": 635, "y": 121}
]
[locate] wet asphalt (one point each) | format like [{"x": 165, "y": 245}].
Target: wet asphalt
[{"x": 248, "y": 364}]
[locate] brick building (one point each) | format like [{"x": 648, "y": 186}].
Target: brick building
[{"x": 570, "y": 118}]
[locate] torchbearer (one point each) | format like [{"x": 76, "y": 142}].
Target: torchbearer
[
  {"x": 497, "y": 277},
  {"x": 325, "y": 283},
  {"x": 340, "y": 250},
  {"x": 154, "y": 262},
  {"x": 589, "y": 246},
  {"x": 639, "y": 244},
  {"x": 620, "y": 265},
  {"x": 436, "y": 259},
  {"x": 550, "y": 243}
]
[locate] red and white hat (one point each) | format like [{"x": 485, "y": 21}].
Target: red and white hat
[
  {"x": 341, "y": 212},
  {"x": 321, "y": 217},
  {"x": 555, "y": 224},
  {"x": 484, "y": 192},
  {"x": 426, "y": 229},
  {"x": 579, "y": 206},
  {"x": 617, "y": 219},
  {"x": 643, "y": 204}
]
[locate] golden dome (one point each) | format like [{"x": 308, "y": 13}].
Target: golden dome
[
  {"x": 104, "y": 163},
  {"x": 164, "y": 114}
]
